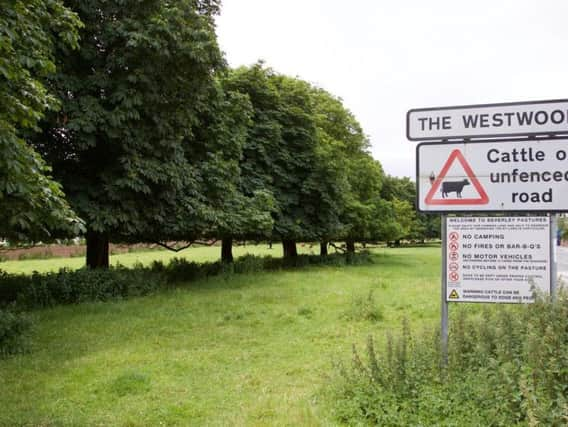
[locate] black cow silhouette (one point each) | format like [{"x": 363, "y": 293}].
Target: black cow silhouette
[{"x": 451, "y": 186}]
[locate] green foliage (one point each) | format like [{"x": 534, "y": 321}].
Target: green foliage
[
  {"x": 563, "y": 227},
  {"x": 384, "y": 224},
  {"x": 398, "y": 188},
  {"x": 353, "y": 208},
  {"x": 251, "y": 264},
  {"x": 367, "y": 215},
  {"x": 364, "y": 307},
  {"x": 72, "y": 287},
  {"x": 291, "y": 152},
  {"x": 416, "y": 226},
  {"x": 339, "y": 136},
  {"x": 508, "y": 366},
  {"x": 136, "y": 143},
  {"x": 84, "y": 285},
  {"x": 33, "y": 205},
  {"x": 237, "y": 213},
  {"x": 181, "y": 270},
  {"x": 10, "y": 286},
  {"x": 14, "y": 328},
  {"x": 307, "y": 150}
]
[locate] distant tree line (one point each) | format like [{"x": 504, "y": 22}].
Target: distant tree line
[{"x": 121, "y": 120}]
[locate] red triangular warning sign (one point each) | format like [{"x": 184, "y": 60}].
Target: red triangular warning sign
[{"x": 456, "y": 186}]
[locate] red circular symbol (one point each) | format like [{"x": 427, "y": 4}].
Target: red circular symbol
[
  {"x": 454, "y": 266},
  {"x": 454, "y": 256},
  {"x": 454, "y": 235},
  {"x": 454, "y": 277},
  {"x": 453, "y": 246}
]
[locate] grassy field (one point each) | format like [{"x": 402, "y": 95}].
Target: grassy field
[
  {"x": 231, "y": 350},
  {"x": 197, "y": 254}
]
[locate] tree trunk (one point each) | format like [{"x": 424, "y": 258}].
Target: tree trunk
[
  {"x": 97, "y": 250},
  {"x": 289, "y": 248},
  {"x": 227, "y": 249},
  {"x": 323, "y": 248},
  {"x": 350, "y": 246}
]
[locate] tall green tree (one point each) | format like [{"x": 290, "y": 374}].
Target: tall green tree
[
  {"x": 282, "y": 156},
  {"x": 134, "y": 98},
  {"x": 415, "y": 225},
  {"x": 230, "y": 213},
  {"x": 33, "y": 206},
  {"x": 362, "y": 215},
  {"x": 300, "y": 191},
  {"x": 339, "y": 138},
  {"x": 367, "y": 215},
  {"x": 311, "y": 153}
]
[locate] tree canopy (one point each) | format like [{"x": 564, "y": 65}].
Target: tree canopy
[
  {"x": 416, "y": 226},
  {"x": 33, "y": 204},
  {"x": 309, "y": 151},
  {"x": 154, "y": 139},
  {"x": 133, "y": 100}
]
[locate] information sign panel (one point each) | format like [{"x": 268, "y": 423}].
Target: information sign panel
[
  {"x": 497, "y": 259},
  {"x": 488, "y": 120},
  {"x": 504, "y": 176}
]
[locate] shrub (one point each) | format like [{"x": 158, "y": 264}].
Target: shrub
[
  {"x": 76, "y": 286},
  {"x": 10, "y": 286},
  {"x": 71, "y": 287},
  {"x": 508, "y": 366},
  {"x": 360, "y": 258},
  {"x": 364, "y": 308},
  {"x": 14, "y": 330},
  {"x": 179, "y": 270},
  {"x": 249, "y": 264},
  {"x": 300, "y": 261}
]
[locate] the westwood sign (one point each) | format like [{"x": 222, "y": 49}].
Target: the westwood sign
[{"x": 488, "y": 121}]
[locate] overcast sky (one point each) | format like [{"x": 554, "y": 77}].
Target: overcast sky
[{"x": 385, "y": 57}]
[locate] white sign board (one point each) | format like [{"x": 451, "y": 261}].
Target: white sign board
[
  {"x": 489, "y": 120},
  {"x": 504, "y": 176},
  {"x": 497, "y": 259}
]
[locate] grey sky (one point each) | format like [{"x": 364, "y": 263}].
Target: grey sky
[{"x": 385, "y": 57}]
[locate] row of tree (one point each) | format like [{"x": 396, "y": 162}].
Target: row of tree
[{"x": 154, "y": 139}]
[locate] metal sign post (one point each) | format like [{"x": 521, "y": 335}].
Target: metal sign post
[
  {"x": 553, "y": 271},
  {"x": 444, "y": 300}
]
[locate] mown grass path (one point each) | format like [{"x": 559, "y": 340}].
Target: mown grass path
[{"x": 250, "y": 349}]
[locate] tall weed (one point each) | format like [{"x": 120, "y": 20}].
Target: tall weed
[
  {"x": 364, "y": 307},
  {"x": 507, "y": 365}
]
